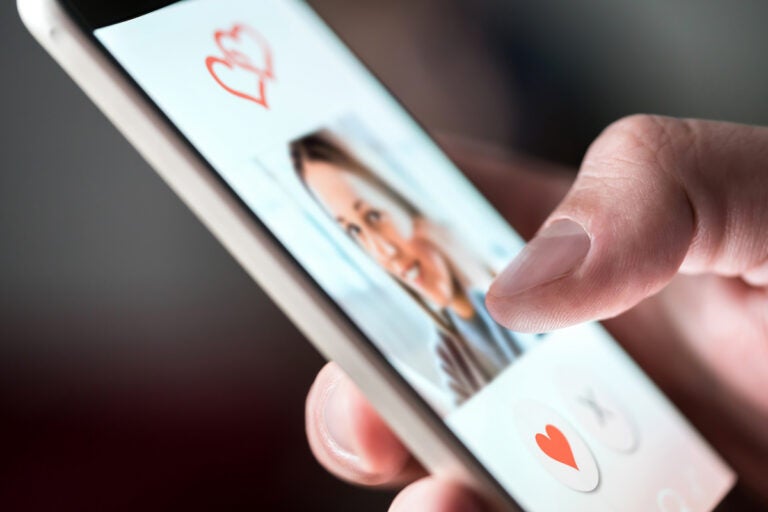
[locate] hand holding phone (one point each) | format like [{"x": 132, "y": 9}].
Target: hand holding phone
[
  {"x": 379, "y": 249},
  {"x": 693, "y": 348}
]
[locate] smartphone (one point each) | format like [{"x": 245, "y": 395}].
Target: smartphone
[{"x": 370, "y": 239}]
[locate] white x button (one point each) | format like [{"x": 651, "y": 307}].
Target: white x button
[{"x": 596, "y": 410}]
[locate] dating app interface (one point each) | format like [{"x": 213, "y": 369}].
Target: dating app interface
[{"x": 394, "y": 233}]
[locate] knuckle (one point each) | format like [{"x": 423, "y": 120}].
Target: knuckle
[
  {"x": 641, "y": 142},
  {"x": 634, "y": 175},
  {"x": 639, "y": 127}
]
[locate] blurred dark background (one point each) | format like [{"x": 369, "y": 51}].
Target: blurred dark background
[{"x": 140, "y": 368}]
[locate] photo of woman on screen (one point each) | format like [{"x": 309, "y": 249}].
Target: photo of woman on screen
[{"x": 446, "y": 281}]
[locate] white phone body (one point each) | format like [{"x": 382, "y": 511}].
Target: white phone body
[
  {"x": 267, "y": 264},
  {"x": 421, "y": 430}
]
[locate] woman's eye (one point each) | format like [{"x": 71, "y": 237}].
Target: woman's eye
[
  {"x": 373, "y": 216},
  {"x": 353, "y": 230}
]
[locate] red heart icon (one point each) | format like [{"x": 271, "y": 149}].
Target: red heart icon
[
  {"x": 241, "y": 50},
  {"x": 245, "y": 51},
  {"x": 556, "y": 446},
  {"x": 212, "y": 62}
]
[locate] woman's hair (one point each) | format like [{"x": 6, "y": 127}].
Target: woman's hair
[{"x": 322, "y": 146}]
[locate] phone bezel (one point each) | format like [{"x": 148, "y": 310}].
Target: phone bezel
[{"x": 97, "y": 13}]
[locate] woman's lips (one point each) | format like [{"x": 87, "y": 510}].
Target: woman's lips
[{"x": 412, "y": 274}]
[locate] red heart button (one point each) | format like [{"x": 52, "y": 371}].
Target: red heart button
[{"x": 556, "y": 446}]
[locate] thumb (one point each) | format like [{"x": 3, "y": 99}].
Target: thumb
[{"x": 654, "y": 196}]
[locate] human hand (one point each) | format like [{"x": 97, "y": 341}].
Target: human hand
[{"x": 666, "y": 234}]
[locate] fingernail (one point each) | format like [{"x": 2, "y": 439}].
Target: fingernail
[
  {"x": 555, "y": 252},
  {"x": 336, "y": 412}
]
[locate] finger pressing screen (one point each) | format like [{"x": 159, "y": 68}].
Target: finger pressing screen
[{"x": 654, "y": 196}]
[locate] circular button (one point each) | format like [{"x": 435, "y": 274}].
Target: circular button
[
  {"x": 556, "y": 445},
  {"x": 596, "y": 410}
]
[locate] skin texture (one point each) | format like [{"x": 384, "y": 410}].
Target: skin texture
[
  {"x": 677, "y": 267},
  {"x": 395, "y": 239}
]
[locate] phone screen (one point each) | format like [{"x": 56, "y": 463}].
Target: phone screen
[{"x": 386, "y": 225}]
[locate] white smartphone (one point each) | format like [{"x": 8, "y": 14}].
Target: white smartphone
[{"x": 369, "y": 238}]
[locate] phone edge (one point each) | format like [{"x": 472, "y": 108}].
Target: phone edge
[{"x": 427, "y": 437}]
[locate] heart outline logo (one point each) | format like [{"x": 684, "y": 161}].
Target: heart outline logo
[
  {"x": 236, "y": 60},
  {"x": 212, "y": 61},
  {"x": 556, "y": 446},
  {"x": 241, "y": 59}
]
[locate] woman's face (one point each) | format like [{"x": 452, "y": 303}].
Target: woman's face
[{"x": 381, "y": 226}]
